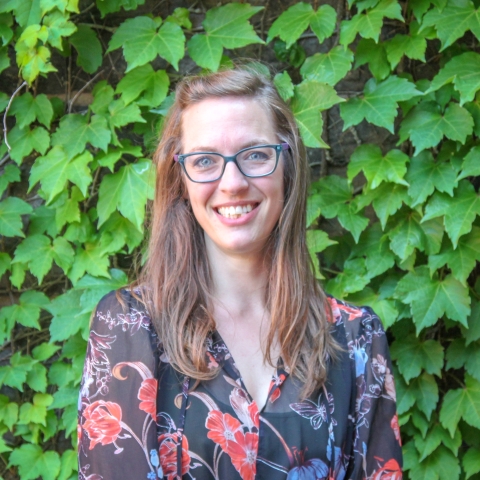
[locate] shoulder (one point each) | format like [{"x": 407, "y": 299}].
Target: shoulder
[
  {"x": 122, "y": 309},
  {"x": 359, "y": 322}
]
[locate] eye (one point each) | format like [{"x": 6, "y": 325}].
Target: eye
[
  {"x": 257, "y": 156},
  {"x": 203, "y": 162}
]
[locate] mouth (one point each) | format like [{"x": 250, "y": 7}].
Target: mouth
[{"x": 237, "y": 211}]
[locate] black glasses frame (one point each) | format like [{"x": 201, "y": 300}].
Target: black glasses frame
[{"x": 180, "y": 158}]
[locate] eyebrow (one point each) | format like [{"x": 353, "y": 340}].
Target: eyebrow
[{"x": 253, "y": 143}]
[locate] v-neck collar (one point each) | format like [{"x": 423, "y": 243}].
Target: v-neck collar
[{"x": 218, "y": 349}]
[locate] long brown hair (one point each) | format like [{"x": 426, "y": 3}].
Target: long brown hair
[{"x": 177, "y": 276}]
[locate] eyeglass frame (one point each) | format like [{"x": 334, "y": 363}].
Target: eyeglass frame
[{"x": 279, "y": 148}]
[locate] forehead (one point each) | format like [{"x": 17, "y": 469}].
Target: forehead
[{"x": 227, "y": 123}]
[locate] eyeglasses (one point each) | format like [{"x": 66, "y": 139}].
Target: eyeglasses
[{"x": 258, "y": 161}]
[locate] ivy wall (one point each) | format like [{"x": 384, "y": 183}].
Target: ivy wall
[{"x": 390, "y": 86}]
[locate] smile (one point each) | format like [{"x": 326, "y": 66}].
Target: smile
[{"x": 235, "y": 212}]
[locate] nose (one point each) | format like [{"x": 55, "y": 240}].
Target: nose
[{"x": 233, "y": 180}]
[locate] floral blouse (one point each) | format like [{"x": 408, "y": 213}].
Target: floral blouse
[{"x": 139, "y": 419}]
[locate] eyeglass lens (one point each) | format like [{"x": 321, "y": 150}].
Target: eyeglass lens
[{"x": 257, "y": 161}]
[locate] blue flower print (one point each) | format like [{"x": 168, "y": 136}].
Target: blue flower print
[{"x": 314, "y": 469}]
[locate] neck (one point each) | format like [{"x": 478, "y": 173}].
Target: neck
[{"x": 239, "y": 282}]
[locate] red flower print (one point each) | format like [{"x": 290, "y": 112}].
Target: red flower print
[
  {"x": 396, "y": 428},
  {"x": 390, "y": 471},
  {"x": 243, "y": 453},
  {"x": 148, "y": 396},
  {"x": 168, "y": 455},
  {"x": 335, "y": 310},
  {"x": 102, "y": 422},
  {"x": 222, "y": 428},
  {"x": 212, "y": 363},
  {"x": 277, "y": 380},
  {"x": 352, "y": 312},
  {"x": 254, "y": 414}
]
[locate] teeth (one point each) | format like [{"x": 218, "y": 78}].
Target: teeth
[{"x": 234, "y": 212}]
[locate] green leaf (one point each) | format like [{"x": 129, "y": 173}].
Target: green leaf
[
  {"x": 470, "y": 165},
  {"x": 8, "y": 412},
  {"x": 109, "y": 6},
  {"x": 37, "y": 378},
  {"x": 42, "y": 220},
  {"x": 350, "y": 220},
  {"x": 127, "y": 190},
  {"x": 431, "y": 298},
  {"x": 66, "y": 208},
  {"x": 369, "y": 24},
  {"x": 425, "y": 176},
  {"x": 379, "y": 103},
  {"x": 27, "y": 312},
  {"x": 368, "y": 159},
  {"x": 334, "y": 192},
  {"x": 27, "y": 109},
  {"x": 323, "y": 22},
  {"x": 95, "y": 288},
  {"x": 436, "y": 436},
  {"x": 15, "y": 374},
  {"x": 385, "y": 309},
  {"x": 10, "y": 174},
  {"x": 368, "y": 51},
  {"x": 65, "y": 322},
  {"x": 471, "y": 462},
  {"x": 412, "y": 46},
  {"x": 5, "y": 261},
  {"x": 44, "y": 351},
  {"x": 425, "y": 125},
  {"x": 317, "y": 241},
  {"x": 118, "y": 231},
  {"x": 385, "y": 199},
  {"x": 461, "y": 356},
  {"x": 180, "y": 16},
  {"x": 32, "y": 462},
  {"x": 11, "y": 211},
  {"x": 141, "y": 42},
  {"x": 441, "y": 465},
  {"x": 353, "y": 279},
  {"x": 88, "y": 47},
  {"x": 38, "y": 253},
  {"x": 464, "y": 72},
  {"x": 75, "y": 131},
  {"x": 465, "y": 200},
  {"x": 27, "y": 12},
  {"x": 144, "y": 79},
  {"x": 284, "y": 85},
  {"x": 462, "y": 403},
  {"x": 407, "y": 235},
  {"x": 291, "y": 23},
  {"x": 405, "y": 394},
  {"x": 413, "y": 356},
  {"x": 425, "y": 391},
  {"x": 69, "y": 464},
  {"x": 462, "y": 260},
  {"x": 226, "y": 27},
  {"x": 312, "y": 97},
  {"x": 58, "y": 26},
  {"x": 374, "y": 246},
  {"x": 103, "y": 95},
  {"x": 23, "y": 141},
  {"x": 57, "y": 167},
  {"x": 329, "y": 67},
  {"x": 472, "y": 334},
  {"x": 453, "y": 21},
  {"x": 92, "y": 259},
  {"x": 36, "y": 412},
  {"x": 206, "y": 51},
  {"x": 121, "y": 114}
]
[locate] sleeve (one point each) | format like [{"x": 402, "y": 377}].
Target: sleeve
[
  {"x": 377, "y": 444},
  {"x": 117, "y": 401}
]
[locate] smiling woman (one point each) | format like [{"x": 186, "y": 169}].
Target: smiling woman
[{"x": 240, "y": 366}]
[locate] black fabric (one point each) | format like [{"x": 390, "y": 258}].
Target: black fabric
[{"x": 134, "y": 409}]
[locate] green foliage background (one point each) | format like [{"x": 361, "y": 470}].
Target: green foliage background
[{"x": 398, "y": 228}]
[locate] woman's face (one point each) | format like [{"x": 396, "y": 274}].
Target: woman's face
[{"x": 227, "y": 125}]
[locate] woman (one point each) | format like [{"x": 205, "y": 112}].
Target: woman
[{"x": 226, "y": 360}]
